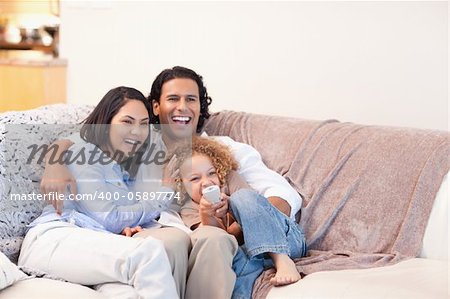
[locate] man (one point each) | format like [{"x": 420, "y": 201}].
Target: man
[{"x": 180, "y": 108}]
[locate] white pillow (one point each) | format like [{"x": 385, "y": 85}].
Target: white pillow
[
  {"x": 435, "y": 239},
  {"x": 9, "y": 272}
]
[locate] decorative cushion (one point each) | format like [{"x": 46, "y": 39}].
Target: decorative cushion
[
  {"x": 18, "y": 178},
  {"x": 9, "y": 273}
]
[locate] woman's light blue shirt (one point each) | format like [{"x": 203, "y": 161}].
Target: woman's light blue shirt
[{"x": 106, "y": 201}]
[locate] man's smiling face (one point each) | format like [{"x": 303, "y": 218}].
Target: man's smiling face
[{"x": 178, "y": 108}]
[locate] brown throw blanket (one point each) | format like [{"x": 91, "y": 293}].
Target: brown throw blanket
[{"x": 368, "y": 190}]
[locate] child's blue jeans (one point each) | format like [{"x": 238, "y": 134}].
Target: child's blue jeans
[{"x": 265, "y": 230}]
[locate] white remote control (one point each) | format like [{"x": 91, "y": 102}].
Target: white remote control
[{"x": 212, "y": 193}]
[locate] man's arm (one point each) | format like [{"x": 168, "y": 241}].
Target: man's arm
[
  {"x": 262, "y": 179},
  {"x": 281, "y": 204}
]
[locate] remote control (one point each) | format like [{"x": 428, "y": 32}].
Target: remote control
[{"x": 212, "y": 193}]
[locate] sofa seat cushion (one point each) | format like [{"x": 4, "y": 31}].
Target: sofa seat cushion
[
  {"x": 46, "y": 288},
  {"x": 411, "y": 279}
]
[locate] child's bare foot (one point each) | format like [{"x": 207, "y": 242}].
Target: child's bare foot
[{"x": 286, "y": 271}]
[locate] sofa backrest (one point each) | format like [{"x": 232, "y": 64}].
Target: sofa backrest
[
  {"x": 282, "y": 137},
  {"x": 365, "y": 188}
]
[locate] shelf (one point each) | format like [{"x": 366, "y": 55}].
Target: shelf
[{"x": 27, "y": 46}]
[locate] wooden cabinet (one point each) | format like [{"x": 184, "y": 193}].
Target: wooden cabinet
[{"x": 27, "y": 84}]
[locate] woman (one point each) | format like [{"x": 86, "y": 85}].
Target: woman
[{"x": 81, "y": 244}]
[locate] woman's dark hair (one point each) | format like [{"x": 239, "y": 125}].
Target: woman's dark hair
[
  {"x": 96, "y": 126},
  {"x": 181, "y": 73}
]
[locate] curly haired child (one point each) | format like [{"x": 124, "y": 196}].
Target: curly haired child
[{"x": 268, "y": 237}]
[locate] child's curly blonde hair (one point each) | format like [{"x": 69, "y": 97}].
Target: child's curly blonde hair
[{"x": 219, "y": 154}]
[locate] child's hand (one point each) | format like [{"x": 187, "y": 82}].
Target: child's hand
[
  {"x": 206, "y": 208},
  {"x": 207, "y": 211},
  {"x": 222, "y": 208},
  {"x": 130, "y": 231}
]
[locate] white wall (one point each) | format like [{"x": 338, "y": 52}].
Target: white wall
[{"x": 367, "y": 62}]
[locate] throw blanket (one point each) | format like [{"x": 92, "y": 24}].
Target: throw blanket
[{"x": 368, "y": 190}]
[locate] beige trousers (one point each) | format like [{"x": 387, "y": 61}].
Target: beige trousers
[
  {"x": 135, "y": 268},
  {"x": 208, "y": 270},
  {"x": 210, "y": 273},
  {"x": 177, "y": 245}
]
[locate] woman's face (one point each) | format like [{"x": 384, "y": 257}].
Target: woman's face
[
  {"x": 178, "y": 108},
  {"x": 129, "y": 128},
  {"x": 197, "y": 174}
]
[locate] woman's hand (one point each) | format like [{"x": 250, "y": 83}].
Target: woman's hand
[
  {"x": 130, "y": 231},
  {"x": 57, "y": 180}
]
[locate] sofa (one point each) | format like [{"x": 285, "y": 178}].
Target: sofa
[{"x": 375, "y": 208}]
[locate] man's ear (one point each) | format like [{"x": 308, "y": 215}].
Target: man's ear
[{"x": 155, "y": 106}]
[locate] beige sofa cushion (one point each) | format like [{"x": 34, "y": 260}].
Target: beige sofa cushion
[
  {"x": 9, "y": 272},
  {"x": 411, "y": 279},
  {"x": 38, "y": 288}
]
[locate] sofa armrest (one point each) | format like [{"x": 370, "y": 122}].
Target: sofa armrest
[{"x": 435, "y": 239}]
